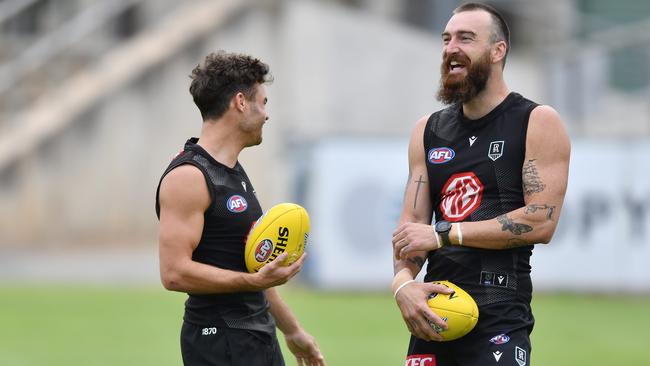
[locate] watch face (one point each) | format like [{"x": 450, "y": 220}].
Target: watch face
[{"x": 443, "y": 226}]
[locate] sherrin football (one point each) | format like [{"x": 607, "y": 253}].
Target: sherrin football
[
  {"x": 458, "y": 309},
  {"x": 284, "y": 227}
]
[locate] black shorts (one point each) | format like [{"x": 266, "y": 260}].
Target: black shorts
[
  {"x": 212, "y": 346},
  {"x": 475, "y": 349}
]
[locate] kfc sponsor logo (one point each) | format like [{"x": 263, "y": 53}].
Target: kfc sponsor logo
[
  {"x": 421, "y": 360},
  {"x": 461, "y": 195}
]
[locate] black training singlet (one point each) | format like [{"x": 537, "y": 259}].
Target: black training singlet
[
  {"x": 233, "y": 210},
  {"x": 475, "y": 173}
]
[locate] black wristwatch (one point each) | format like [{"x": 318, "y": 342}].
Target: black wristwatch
[{"x": 443, "y": 228}]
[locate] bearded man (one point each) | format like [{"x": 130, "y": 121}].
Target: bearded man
[{"x": 487, "y": 178}]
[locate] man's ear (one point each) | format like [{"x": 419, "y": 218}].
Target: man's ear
[
  {"x": 239, "y": 101},
  {"x": 498, "y": 51}
]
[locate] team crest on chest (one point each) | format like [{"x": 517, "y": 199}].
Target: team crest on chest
[
  {"x": 461, "y": 196},
  {"x": 496, "y": 150},
  {"x": 236, "y": 204}
]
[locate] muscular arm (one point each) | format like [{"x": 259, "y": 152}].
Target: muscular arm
[
  {"x": 417, "y": 201},
  {"x": 544, "y": 180},
  {"x": 544, "y": 175},
  {"x": 416, "y": 210},
  {"x": 184, "y": 198}
]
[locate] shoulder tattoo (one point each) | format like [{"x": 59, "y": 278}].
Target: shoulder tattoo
[{"x": 531, "y": 181}]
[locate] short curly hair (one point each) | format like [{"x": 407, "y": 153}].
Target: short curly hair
[{"x": 221, "y": 76}]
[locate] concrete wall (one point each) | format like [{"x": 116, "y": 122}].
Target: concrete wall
[{"x": 337, "y": 72}]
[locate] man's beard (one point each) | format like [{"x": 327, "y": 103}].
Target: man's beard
[{"x": 461, "y": 91}]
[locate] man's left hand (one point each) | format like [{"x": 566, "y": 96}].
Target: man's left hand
[
  {"x": 413, "y": 237},
  {"x": 305, "y": 348}
]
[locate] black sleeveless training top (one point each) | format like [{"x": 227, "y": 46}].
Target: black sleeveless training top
[
  {"x": 232, "y": 212},
  {"x": 475, "y": 173}
]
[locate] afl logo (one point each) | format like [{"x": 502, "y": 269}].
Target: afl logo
[
  {"x": 500, "y": 339},
  {"x": 263, "y": 250},
  {"x": 236, "y": 204},
  {"x": 461, "y": 196},
  {"x": 440, "y": 155}
]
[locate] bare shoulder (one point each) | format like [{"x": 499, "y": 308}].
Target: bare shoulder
[
  {"x": 184, "y": 186},
  {"x": 418, "y": 130},
  {"x": 546, "y": 131}
]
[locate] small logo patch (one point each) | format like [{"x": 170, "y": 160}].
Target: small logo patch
[
  {"x": 440, "y": 155},
  {"x": 472, "y": 140},
  {"x": 520, "y": 356},
  {"x": 497, "y": 355},
  {"x": 263, "y": 250},
  {"x": 421, "y": 360},
  {"x": 500, "y": 339},
  {"x": 494, "y": 279},
  {"x": 496, "y": 150},
  {"x": 236, "y": 204}
]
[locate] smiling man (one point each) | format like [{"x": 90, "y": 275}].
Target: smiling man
[
  {"x": 206, "y": 205},
  {"x": 491, "y": 171}
]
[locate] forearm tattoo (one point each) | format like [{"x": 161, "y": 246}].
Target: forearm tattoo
[
  {"x": 531, "y": 181},
  {"x": 513, "y": 227},
  {"x": 417, "y": 260},
  {"x": 417, "y": 191},
  {"x": 532, "y": 208},
  {"x": 516, "y": 243}
]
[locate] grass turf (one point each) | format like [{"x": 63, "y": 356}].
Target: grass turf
[{"x": 82, "y": 325}]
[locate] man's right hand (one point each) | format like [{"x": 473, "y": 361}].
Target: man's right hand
[
  {"x": 276, "y": 273},
  {"x": 412, "y": 302}
]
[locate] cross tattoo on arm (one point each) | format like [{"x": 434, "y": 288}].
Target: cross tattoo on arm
[{"x": 417, "y": 191}]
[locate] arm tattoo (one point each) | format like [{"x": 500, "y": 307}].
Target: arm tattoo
[
  {"x": 532, "y": 208},
  {"x": 531, "y": 182},
  {"x": 516, "y": 243},
  {"x": 512, "y": 226},
  {"x": 417, "y": 191},
  {"x": 417, "y": 260}
]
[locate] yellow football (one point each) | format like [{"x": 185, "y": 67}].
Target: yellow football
[
  {"x": 458, "y": 309},
  {"x": 284, "y": 227}
]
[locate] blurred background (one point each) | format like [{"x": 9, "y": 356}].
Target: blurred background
[{"x": 94, "y": 103}]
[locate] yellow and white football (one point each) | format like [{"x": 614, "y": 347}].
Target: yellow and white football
[
  {"x": 284, "y": 227},
  {"x": 458, "y": 309}
]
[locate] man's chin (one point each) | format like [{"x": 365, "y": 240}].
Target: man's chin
[
  {"x": 257, "y": 142},
  {"x": 454, "y": 81}
]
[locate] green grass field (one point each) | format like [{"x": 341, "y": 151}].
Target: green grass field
[{"x": 81, "y": 325}]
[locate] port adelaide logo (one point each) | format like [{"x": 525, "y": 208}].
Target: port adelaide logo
[
  {"x": 236, "y": 204},
  {"x": 440, "y": 155},
  {"x": 496, "y": 150}
]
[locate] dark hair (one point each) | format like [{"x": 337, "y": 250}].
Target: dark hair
[
  {"x": 221, "y": 76},
  {"x": 500, "y": 30}
]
